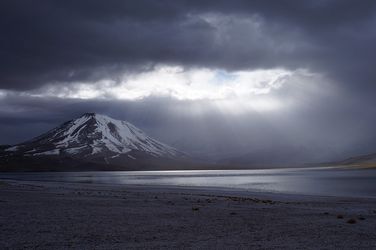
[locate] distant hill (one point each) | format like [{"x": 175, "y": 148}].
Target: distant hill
[{"x": 368, "y": 160}]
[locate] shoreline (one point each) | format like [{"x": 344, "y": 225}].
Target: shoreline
[
  {"x": 101, "y": 216},
  {"x": 300, "y": 184},
  {"x": 199, "y": 190}
]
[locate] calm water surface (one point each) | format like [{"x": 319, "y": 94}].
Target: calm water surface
[{"x": 327, "y": 182}]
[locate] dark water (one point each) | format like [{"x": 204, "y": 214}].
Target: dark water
[{"x": 326, "y": 182}]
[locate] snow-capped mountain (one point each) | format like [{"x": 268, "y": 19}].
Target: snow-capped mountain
[{"x": 95, "y": 137}]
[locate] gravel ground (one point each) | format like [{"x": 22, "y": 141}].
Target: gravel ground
[{"x": 37, "y": 215}]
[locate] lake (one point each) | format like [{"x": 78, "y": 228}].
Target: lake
[{"x": 312, "y": 181}]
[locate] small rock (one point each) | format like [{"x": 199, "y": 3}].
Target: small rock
[{"x": 351, "y": 221}]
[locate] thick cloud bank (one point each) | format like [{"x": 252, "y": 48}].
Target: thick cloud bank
[{"x": 224, "y": 78}]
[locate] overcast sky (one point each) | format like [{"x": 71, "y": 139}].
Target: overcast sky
[{"x": 223, "y": 79}]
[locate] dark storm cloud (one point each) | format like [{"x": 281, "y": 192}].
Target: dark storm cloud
[{"x": 66, "y": 41}]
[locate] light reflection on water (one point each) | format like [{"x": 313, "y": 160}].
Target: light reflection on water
[{"x": 328, "y": 182}]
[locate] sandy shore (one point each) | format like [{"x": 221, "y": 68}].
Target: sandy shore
[{"x": 36, "y": 215}]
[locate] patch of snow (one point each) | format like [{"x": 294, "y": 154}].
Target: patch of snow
[
  {"x": 50, "y": 152},
  {"x": 127, "y": 137},
  {"x": 12, "y": 149},
  {"x": 75, "y": 150},
  {"x": 69, "y": 138},
  {"x": 96, "y": 150},
  {"x": 31, "y": 151},
  {"x": 131, "y": 157}
]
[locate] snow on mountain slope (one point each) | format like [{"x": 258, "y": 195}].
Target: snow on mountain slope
[{"x": 94, "y": 135}]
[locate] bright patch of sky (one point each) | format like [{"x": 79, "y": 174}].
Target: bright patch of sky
[
  {"x": 249, "y": 88},
  {"x": 198, "y": 84}
]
